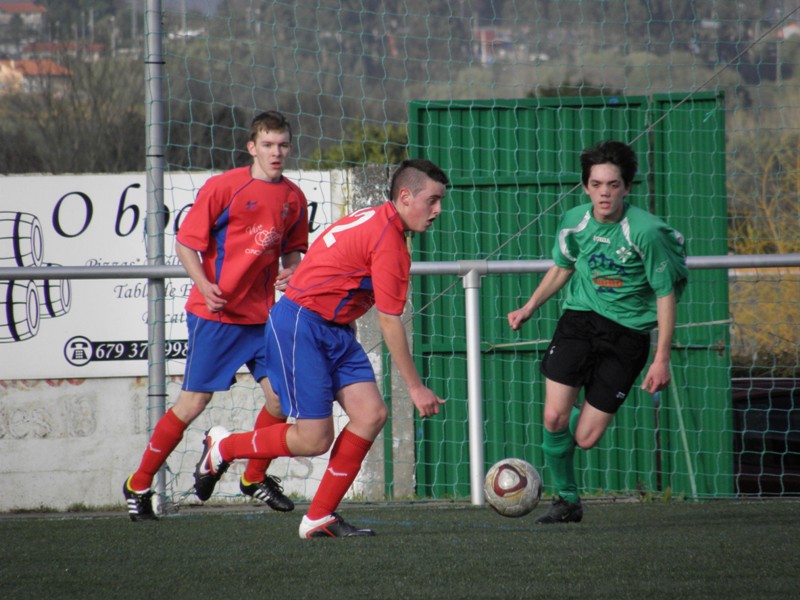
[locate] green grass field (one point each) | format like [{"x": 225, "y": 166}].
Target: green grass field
[{"x": 720, "y": 549}]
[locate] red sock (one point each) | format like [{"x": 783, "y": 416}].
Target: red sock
[
  {"x": 265, "y": 443},
  {"x": 347, "y": 454},
  {"x": 166, "y": 436},
  {"x": 257, "y": 467}
]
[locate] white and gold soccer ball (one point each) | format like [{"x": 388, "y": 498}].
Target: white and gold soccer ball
[{"x": 513, "y": 487}]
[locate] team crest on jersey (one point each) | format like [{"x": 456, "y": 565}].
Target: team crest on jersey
[
  {"x": 268, "y": 238},
  {"x": 623, "y": 254},
  {"x": 264, "y": 239}
]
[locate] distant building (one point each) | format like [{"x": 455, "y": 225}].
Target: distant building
[
  {"x": 491, "y": 43},
  {"x": 33, "y": 75},
  {"x": 31, "y": 15},
  {"x": 790, "y": 31},
  {"x": 499, "y": 44},
  {"x": 19, "y": 22}
]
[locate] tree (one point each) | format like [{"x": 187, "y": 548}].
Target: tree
[
  {"x": 578, "y": 88},
  {"x": 76, "y": 19},
  {"x": 94, "y": 124},
  {"x": 368, "y": 144},
  {"x": 369, "y": 153},
  {"x": 16, "y": 30},
  {"x": 764, "y": 185}
]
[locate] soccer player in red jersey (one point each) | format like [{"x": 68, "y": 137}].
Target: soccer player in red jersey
[
  {"x": 241, "y": 240},
  {"x": 314, "y": 358}
]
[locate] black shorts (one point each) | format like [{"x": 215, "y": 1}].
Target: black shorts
[{"x": 598, "y": 354}]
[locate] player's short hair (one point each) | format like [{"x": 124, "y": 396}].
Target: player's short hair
[
  {"x": 612, "y": 152},
  {"x": 270, "y": 120},
  {"x": 413, "y": 175}
]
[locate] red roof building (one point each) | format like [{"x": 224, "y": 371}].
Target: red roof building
[
  {"x": 32, "y": 75},
  {"x": 21, "y": 8},
  {"x": 31, "y": 14}
]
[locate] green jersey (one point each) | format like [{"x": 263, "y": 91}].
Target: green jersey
[{"x": 620, "y": 268}]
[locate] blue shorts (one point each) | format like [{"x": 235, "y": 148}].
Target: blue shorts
[
  {"x": 311, "y": 359},
  {"x": 216, "y": 351}
]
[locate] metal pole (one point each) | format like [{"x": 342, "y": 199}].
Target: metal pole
[
  {"x": 472, "y": 272},
  {"x": 154, "y": 226},
  {"x": 497, "y": 267}
]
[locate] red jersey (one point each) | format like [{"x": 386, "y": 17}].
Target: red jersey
[
  {"x": 359, "y": 261},
  {"x": 242, "y": 226}
]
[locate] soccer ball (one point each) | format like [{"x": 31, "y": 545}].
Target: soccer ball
[{"x": 513, "y": 487}]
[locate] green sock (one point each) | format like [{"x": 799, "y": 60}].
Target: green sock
[{"x": 559, "y": 450}]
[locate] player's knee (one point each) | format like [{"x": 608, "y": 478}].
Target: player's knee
[
  {"x": 554, "y": 420},
  {"x": 189, "y": 405},
  {"x": 310, "y": 438},
  {"x": 317, "y": 446},
  {"x": 370, "y": 422},
  {"x": 376, "y": 418},
  {"x": 381, "y": 415},
  {"x": 320, "y": 446},
  {"x": 587, "y": 441},
  {"x": 274, "y": 408}
]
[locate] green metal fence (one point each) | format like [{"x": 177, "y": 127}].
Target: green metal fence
[{"x": 514, "y": 168}]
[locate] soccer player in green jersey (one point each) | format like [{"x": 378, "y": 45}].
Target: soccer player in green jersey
[{"x": 625, "y": 270}]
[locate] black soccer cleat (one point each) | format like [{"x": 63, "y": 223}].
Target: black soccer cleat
[
  {"x": 211, "y": 466},
  {"x": 562, "y": 511},
  {"x": 269, "y": 492},
  {"x": 331, "y": 526},
  {"x": 140, "y": 504}
]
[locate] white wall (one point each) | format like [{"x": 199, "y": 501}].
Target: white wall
[{"x": 71, "y": 442}]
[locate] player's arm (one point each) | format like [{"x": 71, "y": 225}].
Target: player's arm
[
  {"x": 289, "y": 262},
  {"x": 658, "y": 375},
  {"x": 555, "y": 279},
  {"x": 394, "y": 334},
  {"x": 190, "y": 260}
]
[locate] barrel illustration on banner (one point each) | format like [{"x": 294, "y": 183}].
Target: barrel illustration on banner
[
  {"x": 23, "y": 302},
  {"x": 21, "y": 240},
  {"x": 55, "y": 295},
  {"x": 19, "y": 311}
]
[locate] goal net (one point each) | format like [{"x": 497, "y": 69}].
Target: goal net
[{"x": 504, "y": 94}]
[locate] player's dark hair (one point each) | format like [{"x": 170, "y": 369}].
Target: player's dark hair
[
  {"x": 270, "y": 120},
  {"x": 413, "y": 173},
  {"x": 610, "y": 152}
]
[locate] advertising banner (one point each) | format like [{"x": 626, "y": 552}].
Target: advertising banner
[{"x": 62, "y": 329}]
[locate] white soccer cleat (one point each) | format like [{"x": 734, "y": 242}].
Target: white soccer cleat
[{"x": 331, "y": 526}]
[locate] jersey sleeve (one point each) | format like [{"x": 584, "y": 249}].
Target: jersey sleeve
[
  {"x": 560, "y": 259},
  {"x": 391, "y": 264},
  {"x": 565, "y": 249},
  {"x": 665, "y": 262},
  {"x": 195, "y": 229}
]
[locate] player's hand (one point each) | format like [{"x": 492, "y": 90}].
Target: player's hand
[
  {"x": 426, "y": 401},
  {"x": 657, "y": 378},
  {"x": 213, "y": 297},
  {"x": 283, "y": 278},
  {"x": 517, "y": 317}
]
